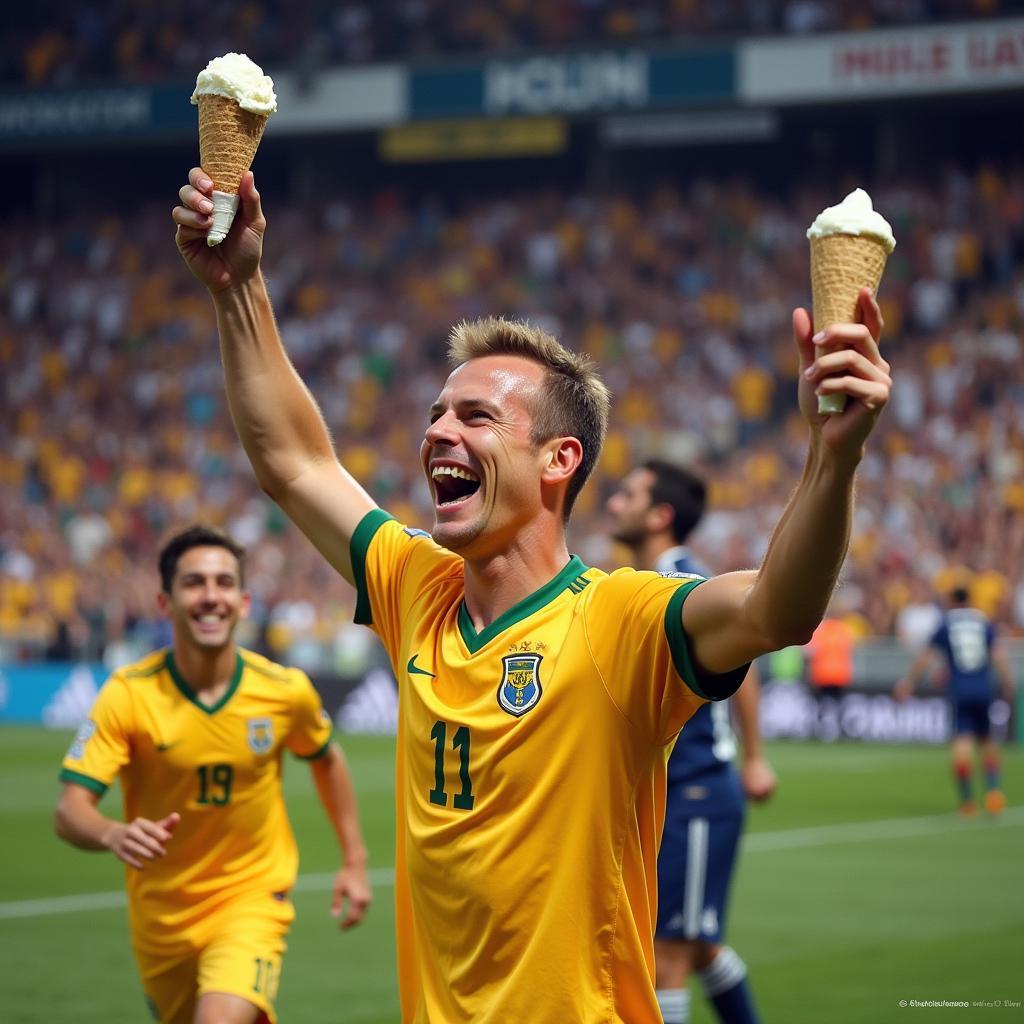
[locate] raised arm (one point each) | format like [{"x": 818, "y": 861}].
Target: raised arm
[
  {"x": 734, "y": 618},
  {"x": 276, "y": 417}
]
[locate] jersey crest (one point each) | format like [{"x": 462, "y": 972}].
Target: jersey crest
[
  {"x": 261, "y": 735},
  {"x": 84, "y": 734},
  {"x": 520, "y": 687}
]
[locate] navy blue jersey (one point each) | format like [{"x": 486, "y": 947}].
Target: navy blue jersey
[
  {"x": 707, "y": 744},
  {"x": 965, "y": 637}
]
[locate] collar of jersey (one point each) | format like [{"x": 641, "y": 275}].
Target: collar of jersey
[
  {"x": 528, "y": 606},
  {"x": 188, "y": 692}
]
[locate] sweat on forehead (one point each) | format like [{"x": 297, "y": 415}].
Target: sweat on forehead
[{"x": 495, "y": 377}]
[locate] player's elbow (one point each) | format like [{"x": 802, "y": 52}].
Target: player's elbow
[
  {"x": 67, "y": 817},
  {"x": 773, "y": 624},
  {"x": 61, "y": 824},
  {"x": 794, "y": 635},
  {"x": 778, "y": 633}
]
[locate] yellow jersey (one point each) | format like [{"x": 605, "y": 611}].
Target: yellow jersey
[
  {"x": 218, "y": 766},
  {"x": 530, "y": 782}
]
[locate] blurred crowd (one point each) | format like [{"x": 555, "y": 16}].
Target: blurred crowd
[
  {"x": 74, "y": 43},
  {"x": 115, "y": 429}
]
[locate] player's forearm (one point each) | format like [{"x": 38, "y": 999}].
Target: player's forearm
[
  {"x": 82, "y": 825},
  {"x": 918, "y": 668},
  {"x": 746, "y": 703},
  {"x": 338, "y": 796},
  {"x": 1004, "y": 671},
  {"x": 275, "y": 415},
  {"x": 806, "y": 553}
]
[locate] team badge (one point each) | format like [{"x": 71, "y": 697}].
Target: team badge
[
  {"x": 84, "y": 734},
  {"x": 520, "y": 683},
  {"x": 261, "y": 735}
]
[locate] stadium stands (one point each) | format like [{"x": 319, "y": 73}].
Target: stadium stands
[
  {"x": 67, "y": 43},
  {"x": 115, "y": 428}
]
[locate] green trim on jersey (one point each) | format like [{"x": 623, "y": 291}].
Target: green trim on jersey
[
  {"x": 567, "y": 578},
  {"x": 317, "y": 754},
  {"x": 359, "y": 545},
  {"x": 97, "y": 787},
  {"x": 715, "y": 687},
  {"x": 188, "y": 692}
]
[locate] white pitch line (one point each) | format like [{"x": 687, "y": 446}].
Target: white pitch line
[
  {"x": 871, "y": 831},
  {"x": 116, "y": 900},
  {"x": 757, "y": 842}
]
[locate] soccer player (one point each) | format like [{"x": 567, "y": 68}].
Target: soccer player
[
  {"x": 966, "y": 640},
  {"x": 654, "y": 510},
  {"x": 196, "y": 734},
  {"x": 538, "y": 697}
]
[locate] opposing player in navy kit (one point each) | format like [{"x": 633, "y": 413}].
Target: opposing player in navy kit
[
  {"x": 653, "y": 511},
  {"x": 966, "y": 639}
]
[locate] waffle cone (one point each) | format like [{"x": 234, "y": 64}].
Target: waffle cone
[
  {"x": 840, "y": 266},
  {"x": 228, "y": 138}
]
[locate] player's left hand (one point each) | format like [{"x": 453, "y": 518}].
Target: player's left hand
[
  {"x": 843, "y": 359},
  {"x": 758, "y": 778},
  {"x": 352, "y": 895}
]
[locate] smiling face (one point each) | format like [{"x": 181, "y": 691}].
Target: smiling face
[
  {"x": 485, "y": 472},
  {"x": 206, "y": 599}
]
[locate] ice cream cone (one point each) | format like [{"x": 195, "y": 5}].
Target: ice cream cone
[
  {"x": 840, "y": 266},
  {"x": 228, "y": 139}
]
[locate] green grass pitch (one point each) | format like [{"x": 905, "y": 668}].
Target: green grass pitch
[{"x": 856, "y": 888}]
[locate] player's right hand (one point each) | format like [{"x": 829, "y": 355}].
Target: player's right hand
[
  {"x": 237, "y": 258},
  {"x": 140, "y": 840}
]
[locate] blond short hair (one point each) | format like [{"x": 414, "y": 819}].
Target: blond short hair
[{"x": 575, "y": 401}]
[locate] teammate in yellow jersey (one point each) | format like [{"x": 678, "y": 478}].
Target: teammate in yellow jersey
[
  {"x": 195, "y": 734},
  {"x": 538, "y": 697}
]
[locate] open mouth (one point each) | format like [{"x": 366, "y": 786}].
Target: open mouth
[
  {"x": 208, "y": 621},
  {"x": 453, "y": 484}
]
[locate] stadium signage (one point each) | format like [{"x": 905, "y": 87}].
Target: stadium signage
[
  {"x": 82, "y": 112},
  {"x": 480, "y": 138},
  {"x": 334, "y": 101},
  {"x": 789, "y": 711},
  {"x": 865, "y": 65},
  {"x": 56, "y": 694},
  {"x": 574, "y": 83},
  {"x": 571, "y": 84}
]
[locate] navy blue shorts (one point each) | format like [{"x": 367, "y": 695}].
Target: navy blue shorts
[
  {"x": 695, "y": 865},
  {"x": 971, "y": 717}
]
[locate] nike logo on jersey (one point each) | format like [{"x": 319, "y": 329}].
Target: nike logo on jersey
[
  {"x": 414, "y": 670},
  {"x": 164, "y": 747}
]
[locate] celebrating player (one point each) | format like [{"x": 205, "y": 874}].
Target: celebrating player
[
  {"x": 538, "y": 697},
  {"x": 196, "y": 735},
  {"x": 654, "y": 510},
  {"x": 967, "y": 641}
]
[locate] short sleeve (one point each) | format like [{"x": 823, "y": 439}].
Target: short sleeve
[
  {"x": 392, "y": 565},
  {"x": 310, "y": 734},
  {"x": 102, "y": 745},
  {"x": 635, "y": 632}
]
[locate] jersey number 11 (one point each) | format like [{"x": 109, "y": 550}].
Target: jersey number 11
[{"x": 462, "y": 801}]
